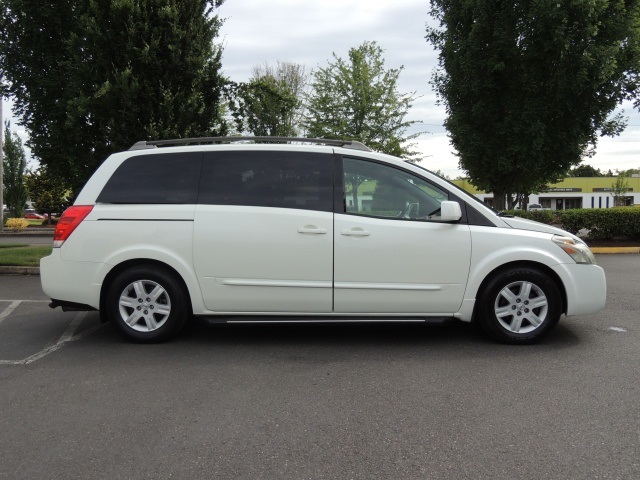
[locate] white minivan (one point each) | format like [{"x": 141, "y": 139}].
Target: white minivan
[{"x": 304, "y": 230}]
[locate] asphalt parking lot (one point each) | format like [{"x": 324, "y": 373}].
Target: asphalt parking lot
[{"x": 319, "y": 402}]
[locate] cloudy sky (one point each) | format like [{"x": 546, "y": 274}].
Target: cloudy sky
[{"x": 308, "y": 32}]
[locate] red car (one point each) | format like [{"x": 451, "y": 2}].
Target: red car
[{"x": 34, "y": 216}]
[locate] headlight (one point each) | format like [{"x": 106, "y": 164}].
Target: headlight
[{"x": 576, "y": 249}]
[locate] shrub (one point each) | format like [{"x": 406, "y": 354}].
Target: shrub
[
  {"x": 619, "y": 223},
  {"x": 542, "y": 216},
  {"x": 16, "y": 224}
]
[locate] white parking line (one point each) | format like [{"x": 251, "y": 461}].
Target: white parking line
[
  {"x": 67, "y": 336},
  {"x": 28, "y": 301},
  {"x": 7, "y": 311},
  {"x": 618, "y": 329},
  {"x": 73, "y": 326}
]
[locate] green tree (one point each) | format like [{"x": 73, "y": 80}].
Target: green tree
[
  {"x": 619, "y": 190},
  {"x": 263, "y": 107},
  {"x": 14, "y": 166},
  {"x": 352, "y": 182},
  {"x": 387, "y": 197},
  {"x": 93, "y": 77},
  {"x": 440, "y": 173},
  {"x": 358, "y": 99},
  {"x": 47, "y": 192},
  {"x": 271, "y": 102},
  {"x": 585, "y": 171},
  {"x": 530, "y": 85}
]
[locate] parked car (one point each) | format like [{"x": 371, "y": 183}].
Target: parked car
[
  {"x": 312, "y": 231},
  {"x": 34, "y": 216},
  {"x": 536, "y": 206}
]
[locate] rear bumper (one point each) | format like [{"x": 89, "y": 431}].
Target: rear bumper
[{"x": 71, "y": 283}]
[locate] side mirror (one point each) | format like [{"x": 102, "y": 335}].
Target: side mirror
[{"x": 450, "y": 212}]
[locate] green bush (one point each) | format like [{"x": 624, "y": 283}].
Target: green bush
[
  {"x": 620, "y": 223},
  {"x": 542, "y": 216}
]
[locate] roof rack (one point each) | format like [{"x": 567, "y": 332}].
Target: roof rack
[{"x": 199, "y": 141}]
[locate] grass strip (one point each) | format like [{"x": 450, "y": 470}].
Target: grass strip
[
  {"x": 13, "y": 245},
  {"x": 23, "y": 256}
]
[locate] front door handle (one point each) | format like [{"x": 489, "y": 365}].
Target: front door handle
[
  {"x": 355, "y": 232},
  {"x": 312, "y": 229}
]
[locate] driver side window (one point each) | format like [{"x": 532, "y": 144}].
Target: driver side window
[{"x": 377, "y": 190}]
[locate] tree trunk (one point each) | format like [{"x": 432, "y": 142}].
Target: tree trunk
[{"x": 499, "y": 198}]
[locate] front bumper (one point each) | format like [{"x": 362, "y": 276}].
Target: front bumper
[{"x": 585, "y": 286}]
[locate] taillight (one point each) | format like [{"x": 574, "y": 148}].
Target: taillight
[{"x": 69, "y": 221}]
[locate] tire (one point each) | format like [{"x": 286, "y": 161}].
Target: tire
[
  {"x": 147, "y": 304},
  {"x": 519, "y": 306}
]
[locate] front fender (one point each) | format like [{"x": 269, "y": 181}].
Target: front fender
[{"x": 493, "y": 248}]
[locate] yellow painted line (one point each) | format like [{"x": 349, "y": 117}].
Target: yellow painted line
[{"x": 615, "y": 249}]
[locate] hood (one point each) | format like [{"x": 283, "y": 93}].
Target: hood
[{"x": 524, "y": 224}]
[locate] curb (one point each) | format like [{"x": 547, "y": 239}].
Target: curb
[
  {"x": 7, "y": 270},
  {"x": 609, "y": 250},
  {"x": 23, "y": 233}
]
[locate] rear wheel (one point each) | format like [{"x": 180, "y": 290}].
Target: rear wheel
[
  {"x": 147, "y": 304},
  {"x": 520, "y": 305}
]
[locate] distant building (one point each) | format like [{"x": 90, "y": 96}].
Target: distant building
[{"x": 573, "y": 192}]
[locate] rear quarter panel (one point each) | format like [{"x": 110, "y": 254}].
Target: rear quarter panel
[{"x": 112, "y": 234}]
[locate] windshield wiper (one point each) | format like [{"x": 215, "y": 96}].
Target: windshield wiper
[{"x": 504, "y": 214}]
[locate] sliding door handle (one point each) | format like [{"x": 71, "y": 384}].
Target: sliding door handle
[
  {"x": 355, "y": 232},
  {"x": 312, "y": 229}
]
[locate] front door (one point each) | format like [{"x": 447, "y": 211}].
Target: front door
[{"x": 392, "y": 254}]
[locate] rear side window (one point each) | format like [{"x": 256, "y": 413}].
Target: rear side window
[
  {"x": 166, "y": 178},
  {"x": 268, "y": 179}
]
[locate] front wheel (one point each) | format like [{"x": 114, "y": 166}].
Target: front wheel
[
  {"x": 519, "y": 306},
  {"x": 146, "y": 304}
]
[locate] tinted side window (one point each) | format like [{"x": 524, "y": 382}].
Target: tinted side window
[
  {"x": 268, "y": 179},
  {"x": 376, "y": 190},
  {"x": 158, "y": 179}
]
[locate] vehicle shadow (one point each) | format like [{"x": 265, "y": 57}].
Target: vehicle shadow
[{"x": 448, "y": 336}]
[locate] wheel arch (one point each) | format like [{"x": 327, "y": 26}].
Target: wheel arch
[
  {"x": 523, "y": 264},
  {"x": 137, "y": 262}
]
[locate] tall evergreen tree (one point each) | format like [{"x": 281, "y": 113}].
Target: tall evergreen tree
[
  {"x": 92, "y": 77},
  {"x": 358, "y": 99},
  {"x": 530, "y": 85},
  {"x": 14, "y": 166}
]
